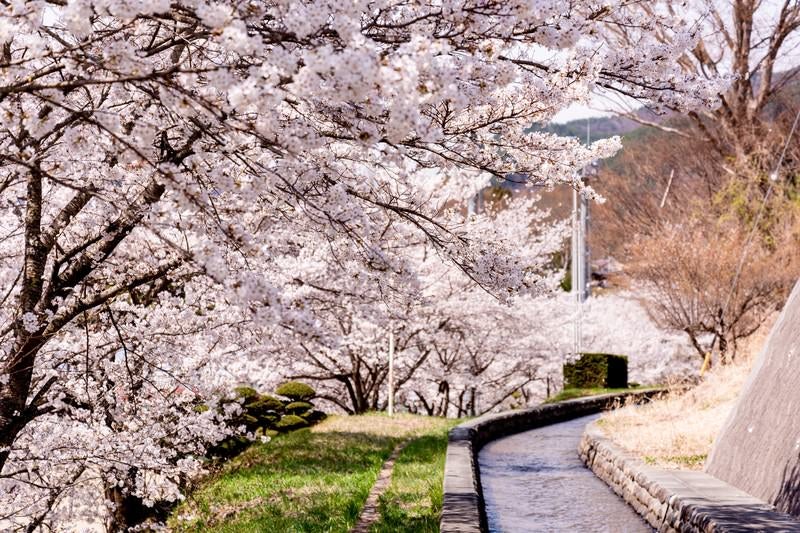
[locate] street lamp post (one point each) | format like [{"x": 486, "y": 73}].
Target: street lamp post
[{"x": 391, "y": 373}]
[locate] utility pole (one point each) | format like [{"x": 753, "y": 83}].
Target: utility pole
[
  {"x": 391, "y": 373},
  {"x": 576, "y": 274},
  {"x": 580, "y": 252},
  {"x": 475, "y": 204},
  {"x": 578, "y": 265}
]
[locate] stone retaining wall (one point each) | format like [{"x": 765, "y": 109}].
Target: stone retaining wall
[
  {"x": 673, "y": 501},
  {"x": 463, "y": 508}
]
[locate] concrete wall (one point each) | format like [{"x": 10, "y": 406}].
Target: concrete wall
[
  {"x": 463, "y": 509},
  {"x": 758, "y": 450},
  {"x": 679, "y": 501}
]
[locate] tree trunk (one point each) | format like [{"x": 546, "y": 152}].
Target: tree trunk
[
  {"x": 14, "y": 411},
  {"x": 127, "y": 510},
  {"x": 724, "y": 357}
]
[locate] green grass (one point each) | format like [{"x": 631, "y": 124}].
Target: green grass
[
  {"x": 688, "y": 461},
  {"x": 318, "y": 480},
  {"x": 413, "y": 502},
  {"x": 571, "y": 394}
]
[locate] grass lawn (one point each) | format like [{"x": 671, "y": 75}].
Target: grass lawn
[
  {"x": 571, "y": 394},
  {"x": 413, "y": 501},
  {"x": 318, "y": 479}
]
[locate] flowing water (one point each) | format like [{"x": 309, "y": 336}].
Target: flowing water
[{"x": 535, "y": 481}]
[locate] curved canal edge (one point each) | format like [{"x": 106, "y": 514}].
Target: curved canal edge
[
  {"x": 535, "y": 481},
  {"x": 678, "y": 501},
  {"x": 463, "y": 508}
]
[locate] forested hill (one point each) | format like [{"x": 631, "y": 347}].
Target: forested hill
[
  {"x": 604, "y": 127},
  {"x": 601, "y": 127}
]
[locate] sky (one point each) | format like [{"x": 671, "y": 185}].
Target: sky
[
  {"x": 578, "y": 112},
  {"x": 602, "y": 103}
]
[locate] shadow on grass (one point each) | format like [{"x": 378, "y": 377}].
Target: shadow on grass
[
  {"x": 395, "y": 519},
  {"x": 413, "y": 502},
  {"x": 425, "y": 449},
  {"x": 303, "y": 481}
]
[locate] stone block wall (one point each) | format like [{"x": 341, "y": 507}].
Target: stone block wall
[{"x": 679, "y": 501}]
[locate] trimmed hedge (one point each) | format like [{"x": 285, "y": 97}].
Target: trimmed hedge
[
  {"x": 267, "y": 415},
  {"x": 298, "y": 408},
  {"x": 265, "y": 404},
  {"x": 296, "y": 391},
  {"x": 290, "y": 422},
  {"x": 597, "y": 370},
  {"x": 248, "y": 393}
]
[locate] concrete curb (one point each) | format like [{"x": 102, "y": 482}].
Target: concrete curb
[
  {"x": 463, "y": 508},
  {"x": 678, "y": 501}
]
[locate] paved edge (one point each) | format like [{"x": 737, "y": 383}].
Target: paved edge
[
  {"x": 678, "y": 501},
  {"x": 463, "y": 506}
]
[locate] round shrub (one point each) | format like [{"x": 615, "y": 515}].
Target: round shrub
[
  {"x": 298, "y": 408},
  {"x": 290, "y": 422},
  {"x": 248, "y": 393},
  {"x": 296, "y": 391},
  {"x": 271, "y": 403},
  {"x": 263, "y": 406},
  {"x": 249, "y": 421},
  {"x": 268, "y": 420}
]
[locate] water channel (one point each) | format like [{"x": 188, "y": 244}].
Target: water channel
[{"x": 535, "y": 482}]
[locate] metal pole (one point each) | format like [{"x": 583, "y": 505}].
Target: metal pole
[
  {"x": 576, "y": 272},
  {"x": 580, "y": 281},
  {"x": 586, "y": 269},
  {"x": 391, "y": 373},
  {"x": 472, "y": 205}
]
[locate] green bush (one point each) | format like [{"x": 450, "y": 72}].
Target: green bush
[
  {"x": 248, "y": 393},
  {"x": 249, "y": 421},
  {"x": 296, "y": 391},
  {"x": 298, "y": 408},
  {"x": 264, "y": 405},
  {"x": 597, "y": 370},
  {"x": 290, "y": 422},
  {"x": 566, "y": 282},
  {"x": 263, "y": 414},
  {"x": 269, "y": 420}
]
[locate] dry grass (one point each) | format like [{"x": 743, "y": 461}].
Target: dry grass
[
  {"x": 401, "y": 425},
  {"x": 678, "y": 430}
]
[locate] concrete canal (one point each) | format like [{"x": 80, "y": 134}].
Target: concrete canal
[{"x": 535, "y": 482}]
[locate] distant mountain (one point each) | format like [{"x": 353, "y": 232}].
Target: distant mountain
[{"x": 601, "y": 127}]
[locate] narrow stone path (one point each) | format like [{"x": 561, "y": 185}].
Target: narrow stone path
[{"x": 370, "y": 513}]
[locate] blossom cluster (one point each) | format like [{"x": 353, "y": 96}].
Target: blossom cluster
[{"x": 186, "y": 185}]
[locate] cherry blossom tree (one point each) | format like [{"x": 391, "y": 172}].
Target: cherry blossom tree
[
  {"x": 447, "y": 329},
  {"x": 166, "y": 169}
]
